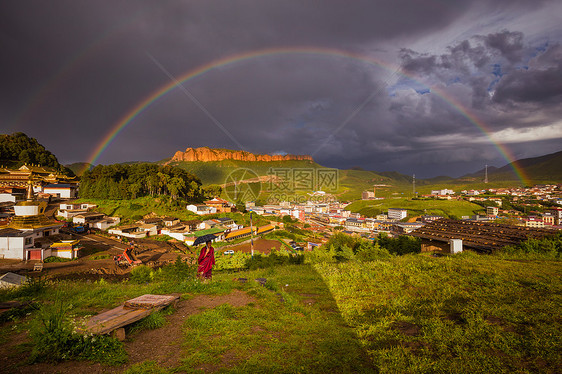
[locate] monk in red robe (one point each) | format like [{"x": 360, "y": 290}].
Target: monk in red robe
[{"x": 206, "y": 261}]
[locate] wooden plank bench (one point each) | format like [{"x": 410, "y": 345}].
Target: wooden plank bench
[{"x": 115, "y": 320}]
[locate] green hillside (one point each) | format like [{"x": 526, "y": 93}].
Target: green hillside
[
  {"x": 350, "y": 183},
  {"x": 217, "y": 172},
  {"x": 542, "y": 169},
  {"x": 446, "y": 208}
]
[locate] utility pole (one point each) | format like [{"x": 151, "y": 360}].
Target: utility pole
[
  {"x": 414, "y": 186},
  {"x": 486, "y": 175}
]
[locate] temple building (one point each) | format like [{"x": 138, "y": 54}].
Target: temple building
[
  {"x": 39, "y": 175},
  {"x": 26, "y": 237}
]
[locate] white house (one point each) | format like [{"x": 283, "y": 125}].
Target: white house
[
  {"x": 397, "y": 214},
  {"x": 201, "y": 209},
  {"x": 105, "y": 223},
  {"x": 444, "y": 191},
  {"x": 66, "y": 249},
  {"x": 66, "y": 191},
  {"x": 14, "y": 243},
  {"x": 178, "y": 233},
  {"x": 137, "y": 231},
  {"x": 89, "y": 217},
  {"x": 26, "y": 235},
  {"x": 70, "y": 210}
]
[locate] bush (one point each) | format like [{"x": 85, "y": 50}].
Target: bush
[
  {"x": 401, "y": 245},
  {"x": 266, "y": 261},
  {"x": 56, "y": 259},
  {"x": 372, "y": 252},
  {"x": 177, "y": 272},
  {"x": 54, "y": 339},
  {"x": 141, "y": 274},
  {"x": 232, "y": 262},
  {"x": 549, "y": 246},
  {"x": 31, "y": 289}
]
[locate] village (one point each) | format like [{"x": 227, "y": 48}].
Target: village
[{"x": 40, "y": 221}]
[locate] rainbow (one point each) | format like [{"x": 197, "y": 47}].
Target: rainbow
[{"x": 196, "y": 72}]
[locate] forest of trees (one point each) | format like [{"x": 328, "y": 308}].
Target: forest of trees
[
  {"x": 131, "y": 181},
  {"x": 18, "y": 149}
]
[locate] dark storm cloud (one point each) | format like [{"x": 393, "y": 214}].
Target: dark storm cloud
[
  {"x": 70, "y": 70},
  {"x": 536, "y": 84},
  {"x": 497, "y": 68}
]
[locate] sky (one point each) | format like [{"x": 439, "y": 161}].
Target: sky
[{"x": 424, "y": 87}]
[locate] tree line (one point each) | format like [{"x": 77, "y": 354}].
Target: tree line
[{"x": 120, "y": 181}]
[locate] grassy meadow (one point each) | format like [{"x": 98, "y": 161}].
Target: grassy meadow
[
  {"x": 134, "y": 209},
  {"x": 404, "y": 314},
  {"x": 446, "y": 208}
]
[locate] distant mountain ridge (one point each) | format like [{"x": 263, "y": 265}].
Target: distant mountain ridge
[
  {"x": 536, "y": 169},
  {"x": 206, "y": 154}
]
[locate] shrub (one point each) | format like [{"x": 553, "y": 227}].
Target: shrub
[
  {"x": 239, "y": 260},
  {"x": 549, "y": 246},
  {"x": 265, "y": 261},
  {"x": 141, "y": 274},
  {"x": 56, "y": 259},
  {"x": 31, "y": 289},
  {"x": 372, "y": 252},
  {"x": 177, "y": 272},
  {"x": 54, "y": 339},
  {"x": 401, "y": 245}
]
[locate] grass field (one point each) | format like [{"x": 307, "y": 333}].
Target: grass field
[
  {"x": 406, "y": 314},
  {"x": 446, "y": 208},
  {"x": 135, "y": 209}
]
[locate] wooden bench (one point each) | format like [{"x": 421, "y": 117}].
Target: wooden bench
[
  {"x": 114, "y": 320},
  {"x": 38, "y": 266}
]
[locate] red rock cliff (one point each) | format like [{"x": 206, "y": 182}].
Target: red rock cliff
[{"x": 208, "y": 154}]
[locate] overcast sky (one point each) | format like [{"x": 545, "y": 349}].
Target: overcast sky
[{"x": 454, "y": 81}]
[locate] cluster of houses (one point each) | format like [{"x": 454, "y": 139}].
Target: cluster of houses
[
  {"x": 223, "y": 228},
  {"x": 26, "y": 233},
  {"x": 30, "y": 235},
  {"x": 46, "y": 182},
  {"x": 216, "y": 205},
  {"x": 333, "y": 214}
]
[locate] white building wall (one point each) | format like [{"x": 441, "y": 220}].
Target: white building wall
[
  {"x": 7, "y": 197},
  {"x": 26, "y": 210},
  {"x": 397, "y": 214},
  {"x": 13, "y": 248},
  {"x": 61, "y": 192}
]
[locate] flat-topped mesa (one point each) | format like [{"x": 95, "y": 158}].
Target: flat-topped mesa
[{"x": 206, "y": 154}]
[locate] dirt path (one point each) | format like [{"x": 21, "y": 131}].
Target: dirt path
[
  {"x": 96, "y": 259},
  {"x": 161, "y": 345}
]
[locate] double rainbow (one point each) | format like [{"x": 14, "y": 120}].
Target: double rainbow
[{"x": 316, "y": 51}]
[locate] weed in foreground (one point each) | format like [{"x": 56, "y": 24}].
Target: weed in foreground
[
  {"x": 54, "y": 339},
  {"x": 153, "y": 321}
]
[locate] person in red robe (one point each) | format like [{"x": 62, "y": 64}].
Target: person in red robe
[{"x": 206, "y": 261}]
